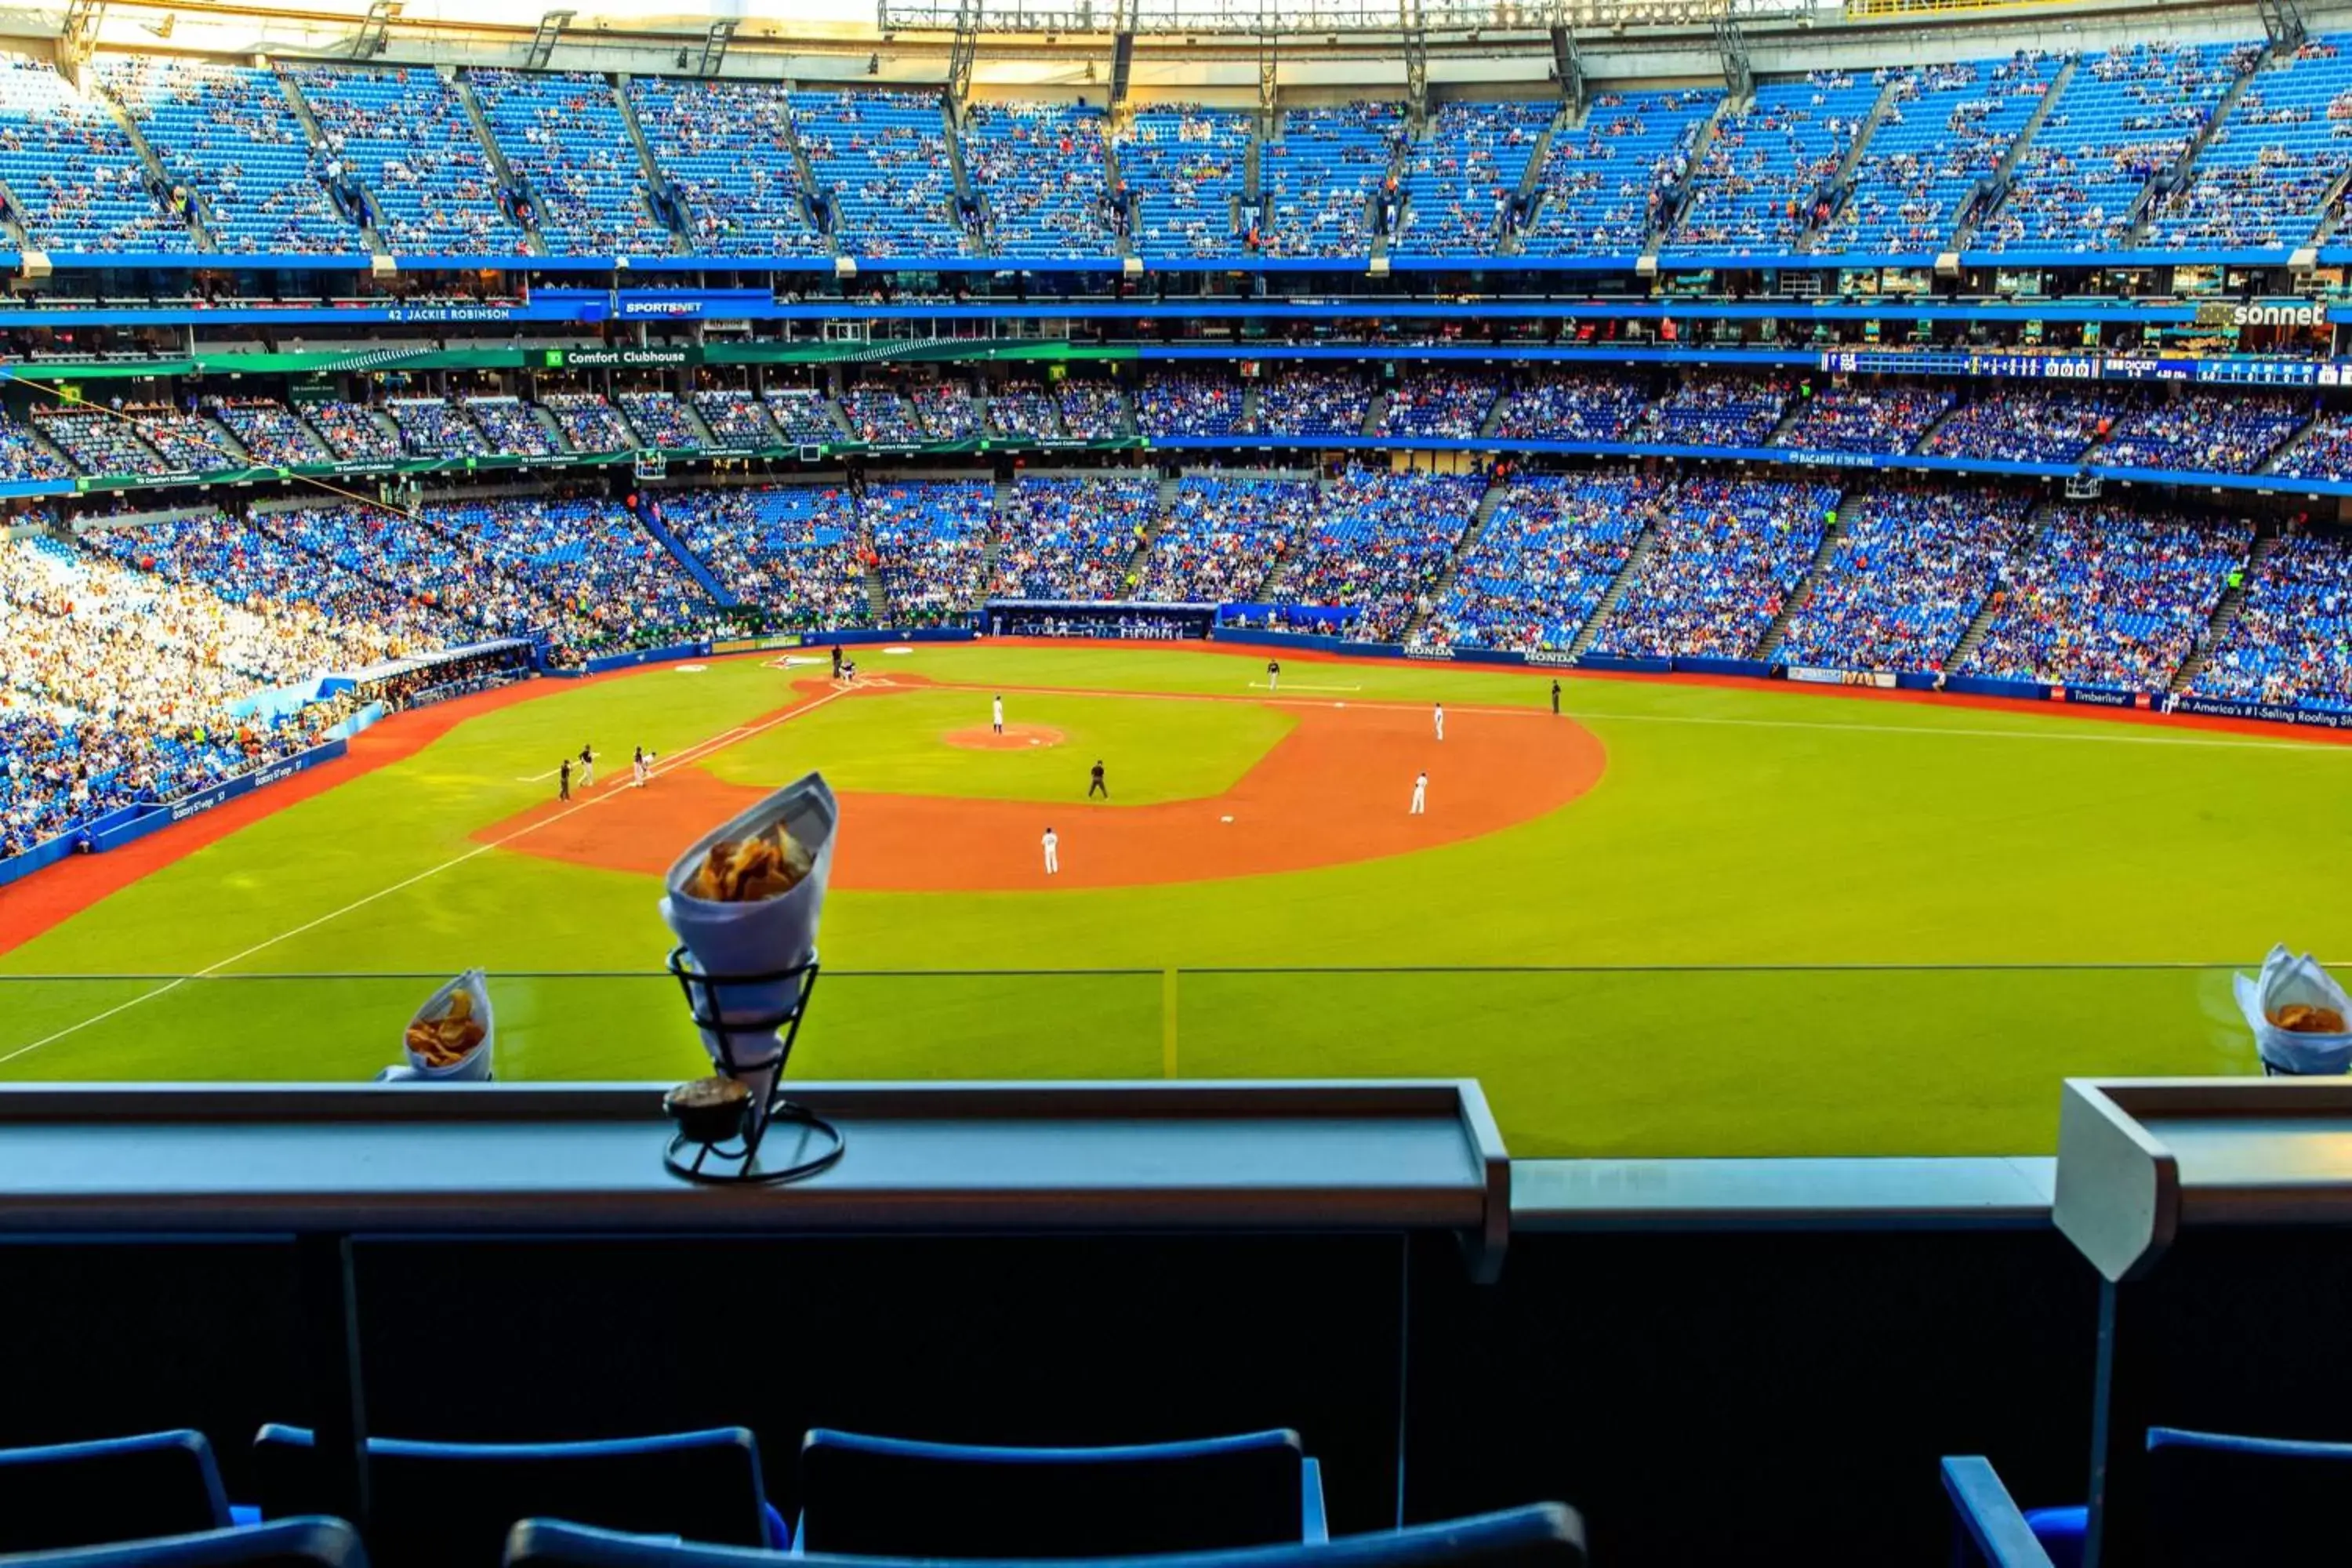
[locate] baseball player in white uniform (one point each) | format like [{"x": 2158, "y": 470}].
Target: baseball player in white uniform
[
  {"x": 996, "y": 714},
  {"x": 1441, "y": 720},
  {"x": 1420, "y": 795},
  {"x": 641, "y": 767},
  {"x": 1052, "y": 853},
  {"x": 587, "y": 768}
]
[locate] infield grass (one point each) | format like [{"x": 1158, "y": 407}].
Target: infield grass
[{"x": 1724, "y": 892}]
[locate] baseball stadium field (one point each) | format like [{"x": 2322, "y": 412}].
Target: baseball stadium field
[{"x": 1678, "y": 918}]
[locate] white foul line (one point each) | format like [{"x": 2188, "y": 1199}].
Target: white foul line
[{"x": 678, "y": 760}]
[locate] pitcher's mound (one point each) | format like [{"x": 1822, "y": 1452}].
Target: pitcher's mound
[{"x": 1016, "y": 738}]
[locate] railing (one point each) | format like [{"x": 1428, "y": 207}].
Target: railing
[{"x": 1598, "y": 1060}]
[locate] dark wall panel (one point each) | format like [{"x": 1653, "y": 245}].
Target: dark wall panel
[{"x": 1751, "y": 1397}]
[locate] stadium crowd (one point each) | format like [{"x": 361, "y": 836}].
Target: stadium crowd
[
  {"x": 1911, "y": 569},
  {"x": 1552, "y": 546},
  {"x": 1376, "y": 543},
  {"x": 2112, "y": 598},
  {"x": 2291, "y": 643},
  {"x": 1072, "y": 537},
  {"x": 1724, "y": 555},
  {"x": 1223, "y": 535}
]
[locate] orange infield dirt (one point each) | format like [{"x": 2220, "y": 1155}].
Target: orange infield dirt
[
  {"x": 1016, "y": 738},
  {"x": 1335, "y": 789}
]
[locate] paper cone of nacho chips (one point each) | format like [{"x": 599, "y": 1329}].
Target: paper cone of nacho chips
[
  {"x": 2287, "y": 980},
  {"x": 762, "y": 937},
  {"x": 474, "y": 1066}
]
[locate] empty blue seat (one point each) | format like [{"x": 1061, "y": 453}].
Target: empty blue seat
[
  {"x": 881, "y": 1496},
  {"x": 449, "y": 1505},
  {"x": 1544, "y": 1536},
  {"x": 288, "y": 1543},
  {"x": 80, "y": 1494},
  {"x": 2214, "y": 1501}
]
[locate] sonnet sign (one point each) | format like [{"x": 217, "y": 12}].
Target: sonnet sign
[{"x": 2220, "y": 313}]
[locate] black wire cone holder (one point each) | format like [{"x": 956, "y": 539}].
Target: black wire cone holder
[{"x": 745, "y": 1043}]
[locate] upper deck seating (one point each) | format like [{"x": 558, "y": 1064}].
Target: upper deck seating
[
  {"x": 405, "y": 135},
  {"x": 727, "y": 145},
  {"x": 1948, "y": 128},
  {"x": 1460, "y": 178},
  {"x": 1758, "y": 188},
  {"x": 1599, "y": 183},
  {"x": 228, "y": 133},
  {"x": 883, "y": 157},
  {"x": 1183, "y": 165},
  {"x": 1318, "y": 177},
  {"x": 562, "y": 133},
  {"x": 2126, "y": 116},
  {"x": 1037, "y": 169},
  {"x": 75, "y": 176},
  {"x": 2260, "y": 181}
]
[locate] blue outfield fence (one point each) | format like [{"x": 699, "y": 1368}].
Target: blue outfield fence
[{"x": 128, "y": 824}]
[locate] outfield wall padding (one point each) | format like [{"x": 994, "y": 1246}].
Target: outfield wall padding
[
  {"x": 885, "y": 635},
  {"x": 604, "y": 662},
  {"x": 1987, "y": 685},
  {"x": 1696, "y": 665},
  {"x": 2270, "y": 712},
  {"x": 39, "y": 858},
  {"x": 154, "y": 818}
]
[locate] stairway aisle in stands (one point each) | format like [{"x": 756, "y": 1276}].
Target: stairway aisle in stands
[
  {"x": 366, "y": 217},
  {"x": 1161, "y": 500},
  {"x": 2004, "y": 174},
  {"x": 509, "y": 185},
  {"x": 1627, "y": 575},
  {"x": 2150, "y": 203},
  {"x": 2227, "y": 609},
  {"x": 1841, "y": 180},
  {"x": 1851, "y": 508},
  {"x": 1570, "y": 117},
  {"x": 1479, "y": 518},
  {"x": 975, "y": 230},
  {"x": 2043, "y": 519},
  {"x": 2288, "y": 447},
  {"x": 999, "y": 511},
  {"x": 695, "y": 565},
  {"x": 1935, "y": 425},
  {"x": 656, "y": 177},
  {"x": 129, "y": 122}
]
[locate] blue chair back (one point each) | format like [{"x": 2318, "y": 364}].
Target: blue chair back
[
  {"x": 288, "y": 1543},
  {"x": 885, "y": 1497},
  {"x": 2217, "y": 1499},
  {"x": 118, "y": 1489},
  {"x": 449, "y": 1505},
  {"x": 1544, "y": 1536}
]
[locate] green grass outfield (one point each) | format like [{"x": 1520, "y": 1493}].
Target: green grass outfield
[{"x": 1726, "y": 901}]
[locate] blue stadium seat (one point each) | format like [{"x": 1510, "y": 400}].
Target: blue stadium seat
[
  {"x": 447, "y": 1505},
  {"x": 869, "y": 1497},
  {"x": 1545, "y": 1535},
  {"x": 116, "y": 1488},
  {"x": 2215, "y": 1501},
  {"x": 316, "y": 1542}
]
